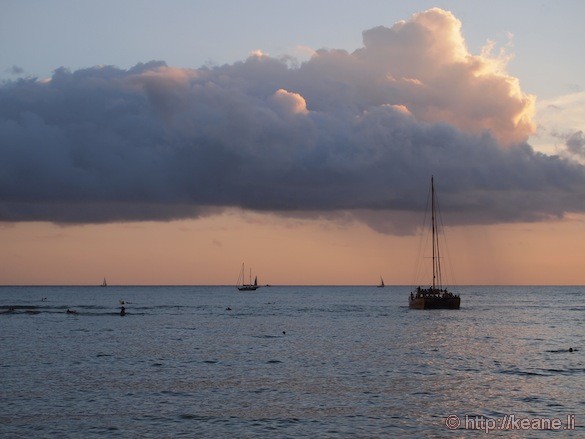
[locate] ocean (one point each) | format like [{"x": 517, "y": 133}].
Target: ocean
[{"x": 290, "y": 362}]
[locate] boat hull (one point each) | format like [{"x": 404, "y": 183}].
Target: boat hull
[
  {"x": 248, "y": 288},
  {"x": 434, "y": 302}
]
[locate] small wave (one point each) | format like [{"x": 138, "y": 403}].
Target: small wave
[
  {"x": 73, "y": 311},
  {"x": 19, "y": 310},
  {"x": 92, "y": 307},
  {"x": 568, "y": 371},
  {"x": 273, "y": 362},
  {"x": 531, "y": 399},
  {"x": 95, "y": 314},
  {"x": 573, "y": 293},
  {"x": 554, "y": 404},
  {"x": 18, "y": 307},
  {"x": 197, "y": 417},
  {"x": 522, "y": 372}
]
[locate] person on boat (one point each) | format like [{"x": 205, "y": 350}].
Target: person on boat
[{"x": 122, "y": 311}]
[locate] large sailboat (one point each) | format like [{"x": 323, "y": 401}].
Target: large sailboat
[
  {"x": 242, "y": 286},
  {"x": 435, "y": 296}
]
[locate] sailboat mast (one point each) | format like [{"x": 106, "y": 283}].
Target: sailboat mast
[{"x": 433, "y": 229}]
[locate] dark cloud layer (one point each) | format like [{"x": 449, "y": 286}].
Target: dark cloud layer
[
  {"x": 359, "y": 132},
  {"x": 15, "y": 70},
  {"x": 576, "y": 143}
]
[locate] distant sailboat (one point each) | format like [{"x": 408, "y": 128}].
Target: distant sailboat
[
  {"x": 435, "y": 296},
  {"x": 104, "y": 283},
  {"x": 381, "y": 285},
  {"x": 242, "y": 286}
]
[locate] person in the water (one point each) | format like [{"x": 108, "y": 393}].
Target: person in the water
[{"x": 122, "y": 311}]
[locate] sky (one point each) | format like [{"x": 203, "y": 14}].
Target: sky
[{"x": 156, "y": 142}]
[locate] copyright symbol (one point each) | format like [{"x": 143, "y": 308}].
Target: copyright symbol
[{"x": 452, "y": 422}]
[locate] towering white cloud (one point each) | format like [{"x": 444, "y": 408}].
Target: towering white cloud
[
  {"x": 356, "y": 132},
  {"x": 431, "y": 72}
]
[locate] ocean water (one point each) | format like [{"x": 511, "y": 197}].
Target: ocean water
[{"x": 288, "y": 362}]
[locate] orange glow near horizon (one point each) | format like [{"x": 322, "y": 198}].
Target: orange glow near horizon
[{"x": 210, "y": 251}]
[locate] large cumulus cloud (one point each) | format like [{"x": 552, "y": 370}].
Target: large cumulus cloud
[{"x": 345, "y": 132}]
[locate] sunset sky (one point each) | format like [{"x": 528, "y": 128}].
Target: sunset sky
[{"x": 157, "y": 142}]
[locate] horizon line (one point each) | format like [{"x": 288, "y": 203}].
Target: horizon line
[{"x": 287, "y": 285}]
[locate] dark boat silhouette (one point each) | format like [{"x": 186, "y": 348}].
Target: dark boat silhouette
[
  {"x": 435, "y": 296},
  {"x": 247, "y": 286}
]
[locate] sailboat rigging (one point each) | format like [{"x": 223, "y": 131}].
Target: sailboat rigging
[
  {"x": 434, "y": 297},
  {"x": 242, "y": 286}
]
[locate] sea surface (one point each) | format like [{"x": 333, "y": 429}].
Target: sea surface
[{"x": 288, "y": 362}]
